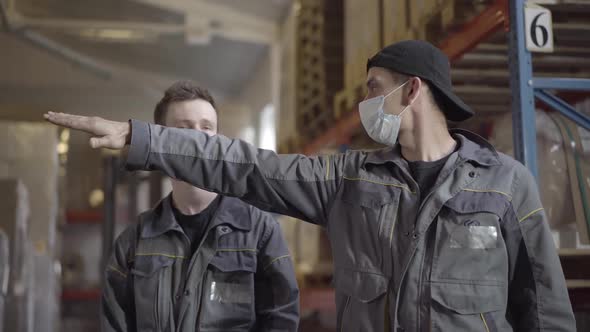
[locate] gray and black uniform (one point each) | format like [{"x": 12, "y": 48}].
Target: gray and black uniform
[
  {"x": 473, "y": 254},
  {"x": 225, "y": 269}
]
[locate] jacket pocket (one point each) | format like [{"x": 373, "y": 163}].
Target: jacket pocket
[
  {"x": 469, "y": 247},
  {"x": 362, "y": 225},
  {"x": 152, "y": 291},
  {"x": 462, "y": 307},
  {"x": 361, "y": 299},
  {"x": 228, "y": 296}
]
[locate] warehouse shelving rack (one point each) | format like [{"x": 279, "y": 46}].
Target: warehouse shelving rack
[{"x": 526, "y": 87}]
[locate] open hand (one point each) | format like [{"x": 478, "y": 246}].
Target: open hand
[{"x": 105, "y": 133}]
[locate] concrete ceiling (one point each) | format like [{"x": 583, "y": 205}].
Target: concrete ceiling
[
  {"x": 218, "y": 43},
  {"x": 222, "y": 65}
]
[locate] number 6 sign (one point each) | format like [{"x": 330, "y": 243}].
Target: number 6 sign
[{"x": 538, "y": 29}]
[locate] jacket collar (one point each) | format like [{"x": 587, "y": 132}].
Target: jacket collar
[
  {"x": 159, "y": 220},
  {"x": 476, "y": 148},
  {"x": 472, "y": 147}
]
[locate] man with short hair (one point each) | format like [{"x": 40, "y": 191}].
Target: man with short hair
[
  {"x": 199, "y": 261},
  {"x": 436, "y": 232}
]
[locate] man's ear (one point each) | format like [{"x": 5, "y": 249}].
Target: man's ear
[{"x": 414, "y": 89}]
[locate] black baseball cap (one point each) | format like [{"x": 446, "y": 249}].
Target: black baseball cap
[{"x": 422, "y": 59}]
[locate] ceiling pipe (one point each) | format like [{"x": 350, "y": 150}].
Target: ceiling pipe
[
  {"x": 66, "y": 53},
  {"x": 53, "y": 47},
  {"x": 4, "y": 15}
]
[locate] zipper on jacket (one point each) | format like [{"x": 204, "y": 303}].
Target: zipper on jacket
[
  {"x": 344, "y": 313},
  {"x": 177, "y": 303},
  {"x": 420, "y": 292},
  {"x": 425, "y": 273},
  {"x": 183, "y": 280},
  {"x": 186, "y": 269},
  {"x": 424, "y": 296},
  {"x": 386, "y": 327},
  {"x": 157, "y": 306},
  {"x": 199, "y": 290},
  {"x": 485, "y": 323}
]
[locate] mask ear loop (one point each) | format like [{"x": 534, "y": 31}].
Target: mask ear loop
[
  {"x": 394, "y": 90},
  {"x": 402, "y": 112}
]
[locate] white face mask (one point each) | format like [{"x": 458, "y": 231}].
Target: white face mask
[{"x": 382, "y": 128}]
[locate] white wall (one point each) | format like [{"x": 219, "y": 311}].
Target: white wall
[{"x": 239, "y": 116}]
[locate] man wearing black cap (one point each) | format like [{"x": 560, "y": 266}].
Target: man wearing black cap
[{"x": 435, "y": 232}]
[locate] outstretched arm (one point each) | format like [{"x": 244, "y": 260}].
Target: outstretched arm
[{"x": 295, "y": 185}]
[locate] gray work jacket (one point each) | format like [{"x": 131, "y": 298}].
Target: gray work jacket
[
  {"x": 475, "y": 255},
  {"x": 241, "y": 278}
]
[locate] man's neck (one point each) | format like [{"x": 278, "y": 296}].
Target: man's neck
[
  {"x": 190, "y": 200},
  {"x": 426, "y": 142}
]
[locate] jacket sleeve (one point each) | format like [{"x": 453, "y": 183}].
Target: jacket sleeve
[
  {"x": 538, "y": 298},
  {"x": 118, "y": 306},
  {"x": 295, "y": 185},
  {"x": 277, "y": 294}
]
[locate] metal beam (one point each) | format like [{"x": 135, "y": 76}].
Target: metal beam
[
  {"x": 486, "y": 99},
  {"x": 460, "y": 73},
  {"x": 523, "y": 101},
  {"x": 564, "y": 108},
  {"x": 77, "y": 24},
  {"x": 491, "y": 109},
  {"x": 482, "y": 26},
  {"x": 541, "y": 60},
  {"x": 572, "y": 26},
  {"x": 572, "y": 84},
  {"x": 551, "y": 79},
  {"x": 481, "y": 89},
  {"x": 503, "y": 48},
  {"x": 483, "y": 59}
]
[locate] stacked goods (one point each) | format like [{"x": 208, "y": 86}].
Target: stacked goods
[
  {"x": 319, "y": 65},
  {"x": 310, "y": 75}
]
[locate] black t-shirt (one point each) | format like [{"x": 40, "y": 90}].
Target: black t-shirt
[
  {"x": 195, "y": 226},
  {"x": 425, "y": 173}
]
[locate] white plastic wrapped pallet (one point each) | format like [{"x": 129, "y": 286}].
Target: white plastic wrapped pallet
[
  {"x": 29, "y": 153},
  {"x": 564, "y": 173}
]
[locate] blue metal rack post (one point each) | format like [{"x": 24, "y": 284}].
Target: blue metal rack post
[
  {"x": 525, "y": 88},
  {"x": 523, "y": 102}
]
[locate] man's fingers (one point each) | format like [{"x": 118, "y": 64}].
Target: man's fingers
[
  {"x": 83, "y": 123},
  {"x": 107, "y": 134},
  {"x": 67, "y": 120}
]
